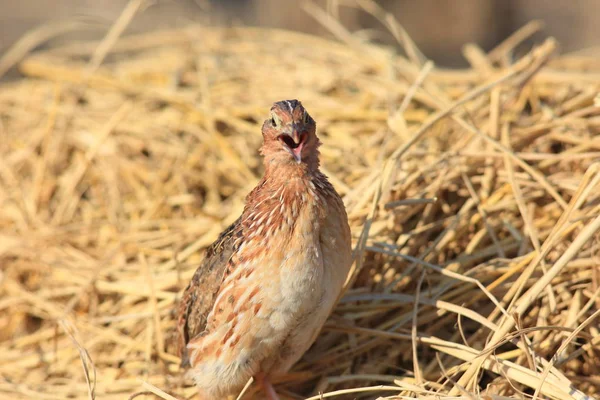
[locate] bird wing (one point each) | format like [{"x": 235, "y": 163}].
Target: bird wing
[{"x": 199, "y": 296}]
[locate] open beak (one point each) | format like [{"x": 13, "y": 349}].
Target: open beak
[{"x": 294, "y": 142}]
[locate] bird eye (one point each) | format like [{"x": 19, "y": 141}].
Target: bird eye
[{"x": 274, "y": 121}]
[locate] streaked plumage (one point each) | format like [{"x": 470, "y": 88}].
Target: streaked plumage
[{"x": 267, "y": 285}]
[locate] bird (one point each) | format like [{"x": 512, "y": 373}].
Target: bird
[{"x": 268, "y": 283}]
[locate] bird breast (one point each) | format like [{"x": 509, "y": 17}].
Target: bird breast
[{"x": 298, "y": 268}]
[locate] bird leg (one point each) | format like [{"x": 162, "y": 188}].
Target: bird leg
[{"x": 267, "y": 387}]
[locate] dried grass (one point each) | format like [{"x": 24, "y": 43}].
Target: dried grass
[{"x": 473, "y": 197}]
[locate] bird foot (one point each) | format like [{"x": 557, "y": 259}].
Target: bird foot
[{"x": 267, "y": 387}]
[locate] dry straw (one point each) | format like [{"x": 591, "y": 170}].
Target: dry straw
[{"x": 473, "y": 196}]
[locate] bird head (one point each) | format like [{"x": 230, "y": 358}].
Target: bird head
[{"x": 289, "y": 135}]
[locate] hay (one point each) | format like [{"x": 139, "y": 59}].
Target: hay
[{"x": 473, "y": 197}]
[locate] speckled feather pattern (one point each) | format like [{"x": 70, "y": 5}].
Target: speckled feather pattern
[{"x": 287, "y": 258}]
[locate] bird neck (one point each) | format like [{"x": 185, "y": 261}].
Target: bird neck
[
  {"x": 276, "y": 202},
  {"x": 290, "y": 169}
]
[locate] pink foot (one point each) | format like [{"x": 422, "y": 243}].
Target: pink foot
[{"x": 267, "y": 387}]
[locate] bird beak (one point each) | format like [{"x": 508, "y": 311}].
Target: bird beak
[
  {"x": 297, "y": 155},
  {"x": 294, "y": 142},
  {"x": 297, "y": 152}
]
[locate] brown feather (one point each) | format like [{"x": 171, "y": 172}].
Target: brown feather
[
  {"x": 198, "y": 298},
  {"x": 267, "y": 285}
]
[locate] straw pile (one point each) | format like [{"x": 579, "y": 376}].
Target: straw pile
[{"x": 473, "y": 198}]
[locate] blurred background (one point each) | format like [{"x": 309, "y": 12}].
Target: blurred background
[{"x": 439, "y": 28}]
